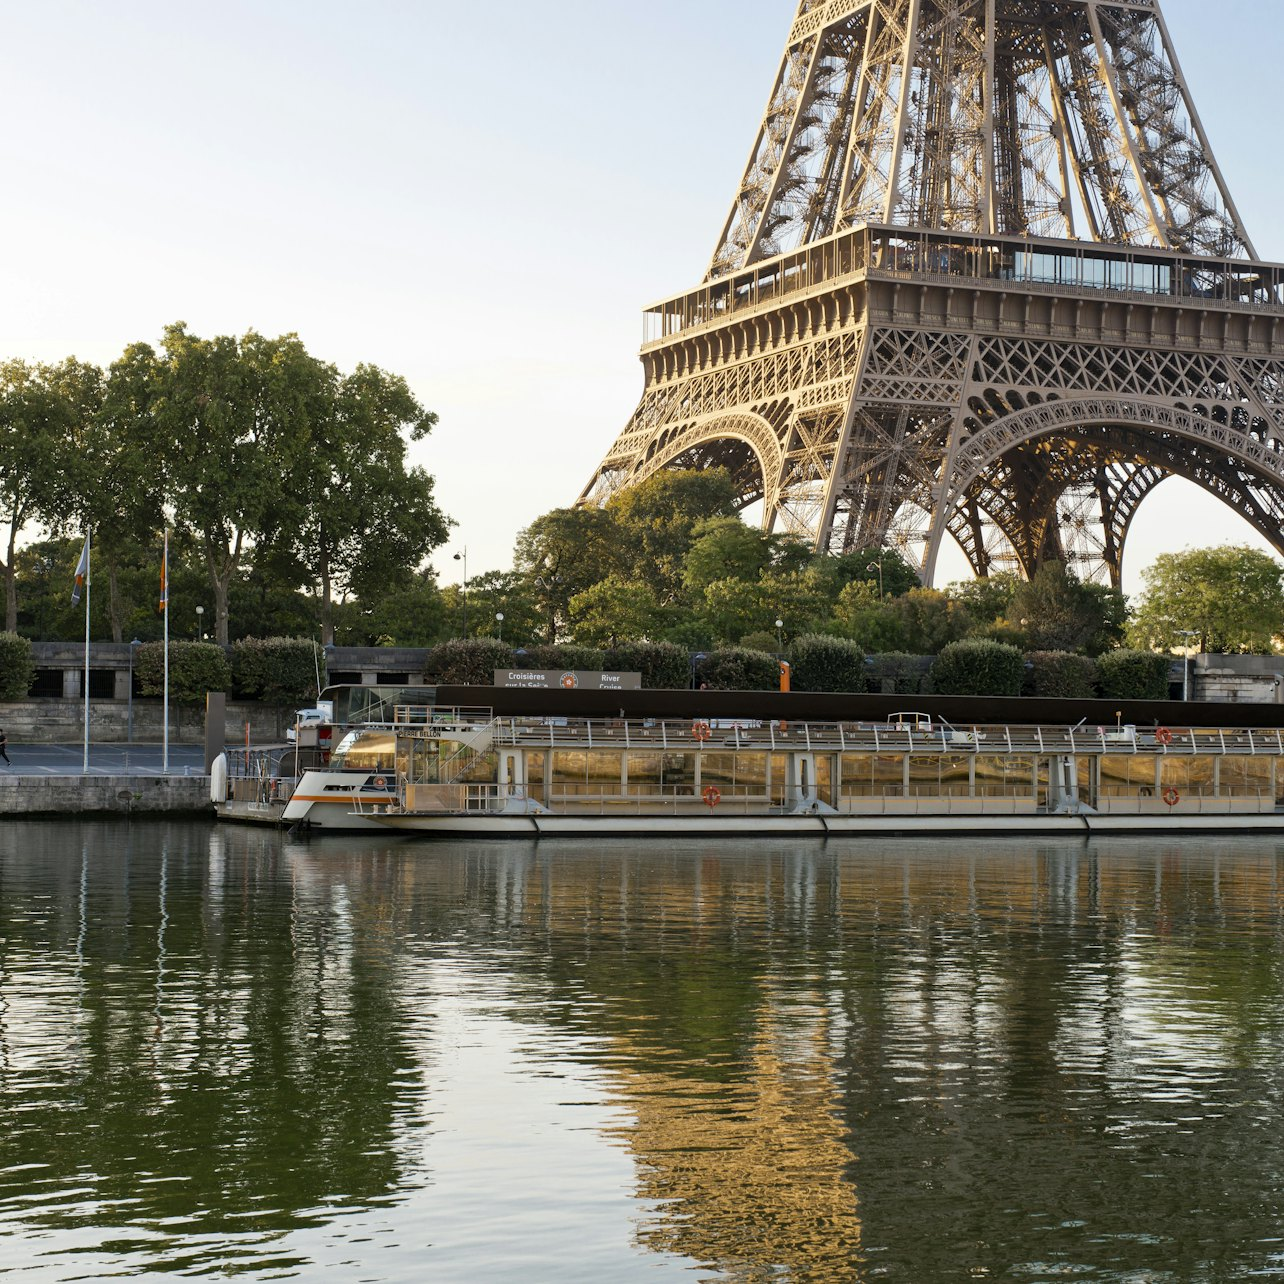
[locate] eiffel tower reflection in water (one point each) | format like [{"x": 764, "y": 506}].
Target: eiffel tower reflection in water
[{"x": 982, "y": 278}]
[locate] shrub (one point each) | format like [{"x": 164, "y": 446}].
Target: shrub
[
  {"x": 1061, "y": 675},
  {"x": 276, "y": 670},
  {"x": 17, "y": 669},
  {"x": 195, "y": 668},
  {"x": 823, "y": 663},
  {"x": 979, "y": 667},
  {"x": 737, "y": 668},
  {"x": 663, "y": 665},
  {"x": 565, "y": 655},
  {"x": 467, "y": 662},
  {"x": 896, "y": 673},
  {"x": 760, "y": 640},
  {"x": 1132, "y": 675}
]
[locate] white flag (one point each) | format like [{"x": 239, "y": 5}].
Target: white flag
[{"x": 82, "y": 573}]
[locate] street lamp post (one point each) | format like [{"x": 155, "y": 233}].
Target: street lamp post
[
  {"x": 129, "y": 735},
  {"x": 878, "y": 566},
  {"x": 499, "y": 622},
  {"x": 200, "y": 623},
  {"x": 1185, "y": 662},
  {"x": 463, "y": 557}
]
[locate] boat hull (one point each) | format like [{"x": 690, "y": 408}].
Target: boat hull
[{"x": 817, "y": 826}]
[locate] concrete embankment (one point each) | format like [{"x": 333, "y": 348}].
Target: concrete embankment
[{"x": 121, "y": 795}]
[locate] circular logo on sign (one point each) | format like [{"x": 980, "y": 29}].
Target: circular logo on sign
[{"x": 570, "y": 680}]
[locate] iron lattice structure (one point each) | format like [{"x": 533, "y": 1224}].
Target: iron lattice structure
[{"x": 983, "y": 278}]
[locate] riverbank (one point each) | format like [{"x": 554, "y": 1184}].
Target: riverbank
[{"x": 43, "y": 796}]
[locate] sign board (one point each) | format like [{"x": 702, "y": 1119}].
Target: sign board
[{"x": 569, "y": 679}]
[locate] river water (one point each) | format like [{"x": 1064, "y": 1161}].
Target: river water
[{"x": 224, "y": 1052}]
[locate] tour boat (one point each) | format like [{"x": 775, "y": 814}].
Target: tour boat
[{"x": 436, "y": 772}]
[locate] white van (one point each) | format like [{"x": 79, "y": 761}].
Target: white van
[{"x": 314, "y": 717}]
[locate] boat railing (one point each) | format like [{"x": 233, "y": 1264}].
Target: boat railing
[
  {"x": 263, "y": 790},
  {"x": 420, "y": 715},
  {"x": 712, "y": 735}
]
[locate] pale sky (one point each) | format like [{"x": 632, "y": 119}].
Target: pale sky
[{"x": 482, "y": 197}]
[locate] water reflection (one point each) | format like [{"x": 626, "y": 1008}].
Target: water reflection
[{"x": 222, "y": 1050}]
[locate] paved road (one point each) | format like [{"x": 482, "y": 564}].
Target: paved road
[{"x": 104, "y": 760}]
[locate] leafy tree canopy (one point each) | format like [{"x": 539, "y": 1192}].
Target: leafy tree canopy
[{"x": 1230, "y": 597}]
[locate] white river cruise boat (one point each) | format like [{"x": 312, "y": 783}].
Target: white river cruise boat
[{"x": 432, "y": 771}]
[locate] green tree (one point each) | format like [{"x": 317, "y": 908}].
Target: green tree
[
  {"x": 930, "y": 620},
  {"x": 657, "y": 519},
  {"x": 614, "y": 611},
  {"x": 884, "y": 569},
  {"x": 563, "y": 553},
  {"x": 1056, "y": 612},
  {"x": 367, "y": 519},
  {"x": 987, "y": 598},
  {"x": 724, "y": 548},
  {"x": 1231, "y": 597},
  {"x": 506, "y": 593},
  {"x": 874, "y": 624},
  {"x": 123, "y": 488},
  {"x": 42, "y": 415},
  {"x": 230, "y": 421}
]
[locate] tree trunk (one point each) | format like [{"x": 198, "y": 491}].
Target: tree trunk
[
  {"x": 11, "y": 582},
  {"x": 222, "y": 563}
]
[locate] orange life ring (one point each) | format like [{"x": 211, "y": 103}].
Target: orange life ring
[
  {"x": 1163, "y": 736},
  {"x": 1172, "y": 797},
  {"x": 380, "y": 783},
  {"x": 712, "y": 796},
  {"x": 700, "y": 730}
]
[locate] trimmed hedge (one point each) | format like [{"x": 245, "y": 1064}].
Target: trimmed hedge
[
  {"x": 1061, "y": 675},
  {"x": 737, "y": 668},
  {"x": 977, "y": 666},
  {"x": 664, "y": 666},
  {"x": 565, "y": 655},
  {"x": 17, "y": 668},
  {"x": 277, "y": 670},
  {"x": 467, "y": 662},
  {"x": 1132, "y": 675},
  {"x": 824, "y": 663},
  {"x": 195, "y": 668}
]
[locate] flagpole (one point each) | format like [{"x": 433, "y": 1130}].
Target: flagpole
[
  {"x": 165, "y": 713},
  {"x": 88, "y": 583}
]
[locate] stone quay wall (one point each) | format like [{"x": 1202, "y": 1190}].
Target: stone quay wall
[
  {"x": 61, "y": 722},
  {"x": 119, "y": 795}
]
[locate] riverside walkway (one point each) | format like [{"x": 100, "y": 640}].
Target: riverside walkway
[{"x": 104, "y": 760}]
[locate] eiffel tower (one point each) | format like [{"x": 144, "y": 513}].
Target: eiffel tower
[{"x": 983, "y": 278}]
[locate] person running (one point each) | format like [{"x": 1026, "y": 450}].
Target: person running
[{"x": 4, "y": 748}]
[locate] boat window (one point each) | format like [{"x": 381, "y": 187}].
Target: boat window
[
  {"x": 1248, "y": 777},
  {"x": 644, "y": 774},
  {"x": 1128, "y": 775},
  {"x": 578, "y": 772},
  {"x": 1190, "y": 776},
  {"x": 365, "y": 751},
  {"x": 735, "y": 774},
  {"x": 1007, "y": 777}
]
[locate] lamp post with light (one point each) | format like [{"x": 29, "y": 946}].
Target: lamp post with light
[
  {"x": 499, "y": 625},
  {"x": 462, "y": 556},
  {"x": 200, "y": 623},
  {"x": 878, "y": 566}
]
